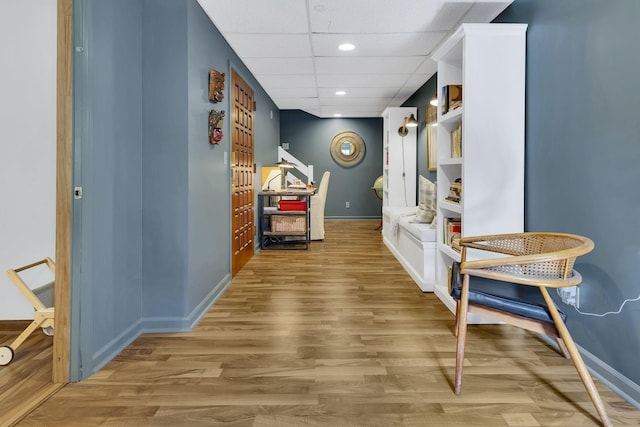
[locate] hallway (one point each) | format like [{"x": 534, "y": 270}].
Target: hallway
[{"x": 335, "y": 336}]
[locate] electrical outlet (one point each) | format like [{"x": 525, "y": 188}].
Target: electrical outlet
[
  {"x": 347, "y": 205},
  {"x": 569, "y": 295}
]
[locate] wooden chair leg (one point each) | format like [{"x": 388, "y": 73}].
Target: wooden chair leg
[
  {"x": 577, "y": 359},
  {"x": 461, "y": 321},
  {"x": 455, "y": 330}
]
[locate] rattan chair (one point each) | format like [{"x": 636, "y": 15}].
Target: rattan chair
[{"x": 508, "y": 281}]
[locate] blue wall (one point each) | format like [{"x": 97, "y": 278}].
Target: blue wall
[
  {"x": 582, "y": 157},
  {"x": 151, "y": 238},
  {"x": 420, "y": 99},
  {"x": 309, "y": 138},
  {"x": 107, "y": 241}
]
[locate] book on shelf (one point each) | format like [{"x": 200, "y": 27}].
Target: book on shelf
[
  {"x": 451, "y": 98},
  {"x": 455, "y": 192},
  {"x": 452, "y": 231},
  {"x": 456, "y": 141}
]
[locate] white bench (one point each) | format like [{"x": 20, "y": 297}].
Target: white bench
[{"x": 413, "y": 244}]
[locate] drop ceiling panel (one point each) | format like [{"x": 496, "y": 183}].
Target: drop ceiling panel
[
  {"x": 353, "y": 102},
  {"x": 359, "y": 92},
  {"x": 372, "y": 16},
  {"x": 250, "y": 16},
  {"x": 270, "y": 45},
  {"x": 398, "y": 44},
  {"x": 294, "y": 92},
  {"x": 284, "y": 81},
  {"x": 369, "y": 65},
  {"x": 300, "y": 102},
  {"x": 362, "y": 111},
  {"x": 264, "y": 66},
  {"x": 290, "y": 46},
  {"x": 365, "y": 80}
]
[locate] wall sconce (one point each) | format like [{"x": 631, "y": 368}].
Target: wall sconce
[
  {"x": 408, "y": 122},
  {"x": 284, "y": 168}
]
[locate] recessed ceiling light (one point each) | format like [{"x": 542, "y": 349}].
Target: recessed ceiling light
[
  {"x": 434, "y": 102},
  {"x": 346, "y": 47},
  {"x": 341, "y": 92},
  {"x": 337, "y": 115}
]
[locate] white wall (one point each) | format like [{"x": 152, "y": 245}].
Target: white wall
[{"x": 27, "y": 144}]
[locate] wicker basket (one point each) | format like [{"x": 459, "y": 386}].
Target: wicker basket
[{"x": 287, "y": 223}]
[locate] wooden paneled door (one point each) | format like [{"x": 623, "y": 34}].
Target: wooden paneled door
[{"x": 242, "y": 173}]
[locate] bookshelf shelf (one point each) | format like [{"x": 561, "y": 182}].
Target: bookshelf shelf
[
  {"x": 488, "y": 60},
  {"x": 452, "y": 117},
  {"x": 448, "y": 251},
  {"x": 451, "y": 207},
  {"x": 451, "y": 161}
]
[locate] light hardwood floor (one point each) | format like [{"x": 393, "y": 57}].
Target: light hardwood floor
[{"x": 335, "y": 336}]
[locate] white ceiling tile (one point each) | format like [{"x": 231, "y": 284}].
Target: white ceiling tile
[
  {"x": 397, "y": 44},
  {"x": 351, "y": 111},
  {"x": 359, "y": 92},
  {"x": 354, "y": 102},
  {"x": 485, "y": 10},
  {"x": 298, "y": 102},
  {"x": 273, "y": 81},
  {"x": 368, "y": 65},
  {"x": 270, "y": 45},
  {"x": 251, "y": 16},
  {"x": 365, "y": 80},
  {"x": 290, "y": 47},
  {"x": 428, "y": 67},
  {"x": 371, "y": 16},
  {"x": 294, "y": 92},
  {"x": 280, "y": 65}
]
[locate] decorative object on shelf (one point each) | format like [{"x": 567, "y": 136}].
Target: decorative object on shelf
[
  {"x": 216, "y": 85},
  {"x": 215, "y": 126},
  {"x": 409, "y": 121},
  {"x": 456, "y": 141},
  {"x": 284, "y": 168},
  {"x": 432, "y": 137},
  {"x": 347, "y": 148},
  {"x": 451, "y": 98},
  {"x": 455, "y": 192}
]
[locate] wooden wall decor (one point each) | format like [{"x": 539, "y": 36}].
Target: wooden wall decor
[
  {"x": 216, "y": 85},
  {"x": 216, "y": 119}
]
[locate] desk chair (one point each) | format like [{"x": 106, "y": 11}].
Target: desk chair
[
  {"x": 318, "y": 202},
  {"x": 511, "y": 286}
]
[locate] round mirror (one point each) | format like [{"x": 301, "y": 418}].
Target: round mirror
[{"x": 347, "y": 148}]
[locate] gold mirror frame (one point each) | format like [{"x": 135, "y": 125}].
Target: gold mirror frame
[{"x": 357, "y": 152}]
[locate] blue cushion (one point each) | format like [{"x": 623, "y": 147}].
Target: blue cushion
[{"x": 521, "y": 300}]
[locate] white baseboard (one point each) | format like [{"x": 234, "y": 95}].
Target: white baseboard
[{"x": 608, "y": 376}]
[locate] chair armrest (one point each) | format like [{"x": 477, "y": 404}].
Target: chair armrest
[{"x": 529, "y": 257}]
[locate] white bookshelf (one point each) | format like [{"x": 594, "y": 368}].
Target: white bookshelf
[
  {"x": 489, "y": 61},
  {"x": 399, "y": 158}
]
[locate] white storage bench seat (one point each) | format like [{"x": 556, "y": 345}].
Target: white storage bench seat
[{"x": 412, "y": 243}]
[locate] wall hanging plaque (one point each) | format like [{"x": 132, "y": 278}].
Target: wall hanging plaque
[
  {"x": 216, "y": 119},
  {"x": 216, "y": 85}
]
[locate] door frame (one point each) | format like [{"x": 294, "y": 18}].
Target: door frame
[{"x": 64, "y": 168}]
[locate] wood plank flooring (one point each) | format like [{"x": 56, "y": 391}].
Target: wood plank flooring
[
  {"x": 26, "y": 381},
  {"x": 335, "y": 336}
]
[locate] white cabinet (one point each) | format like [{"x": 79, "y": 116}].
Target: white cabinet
[
  {"x": 399, "y": 158},
  {"x": 488, "y": 60}
]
